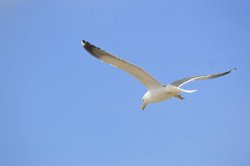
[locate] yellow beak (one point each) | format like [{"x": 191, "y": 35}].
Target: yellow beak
[{"x": 143, "y": 106}]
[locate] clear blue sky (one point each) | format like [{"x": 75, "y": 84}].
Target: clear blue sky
[{"x": 60, "y": 106}]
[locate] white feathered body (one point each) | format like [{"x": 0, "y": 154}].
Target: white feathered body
[{"x": 162, "y": 93}]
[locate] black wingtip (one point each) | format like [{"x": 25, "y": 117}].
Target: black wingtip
[
  {"x": 83, "y": 42},
  {"x": 227, "y": 72},
  {"x": 232, "y": 69}
]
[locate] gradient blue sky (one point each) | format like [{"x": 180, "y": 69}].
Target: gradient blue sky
[{"x": 60, "y": 106}]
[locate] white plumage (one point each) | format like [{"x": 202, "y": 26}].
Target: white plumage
[{"x": 156, "y": 91}]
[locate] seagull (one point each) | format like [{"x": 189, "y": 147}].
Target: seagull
[{"x": 156, "y": 91}]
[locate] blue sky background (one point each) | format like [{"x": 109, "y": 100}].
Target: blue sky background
[{"x": 60, "y": 106}]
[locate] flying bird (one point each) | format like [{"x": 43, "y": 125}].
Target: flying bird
[{"x": 156, "y": 91}]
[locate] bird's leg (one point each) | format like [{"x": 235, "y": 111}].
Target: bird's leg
[{"x": 179, "y": 96}]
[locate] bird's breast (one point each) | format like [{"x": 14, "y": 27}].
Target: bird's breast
[{"x": 160, "y": 94}]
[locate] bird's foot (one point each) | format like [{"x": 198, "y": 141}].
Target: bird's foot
[{"x": 179, "y": 97}]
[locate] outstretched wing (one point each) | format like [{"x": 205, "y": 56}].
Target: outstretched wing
[
  {"x": 183, "y": 81},
  {"x": 145, "y": 78}
]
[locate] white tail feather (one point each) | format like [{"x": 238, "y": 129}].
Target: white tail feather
[{"x": 188, "y": 91}]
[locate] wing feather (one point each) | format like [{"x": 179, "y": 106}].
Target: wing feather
[
  {"x": 145, "y": 78},
  {"x": 183, "y": 81}
]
